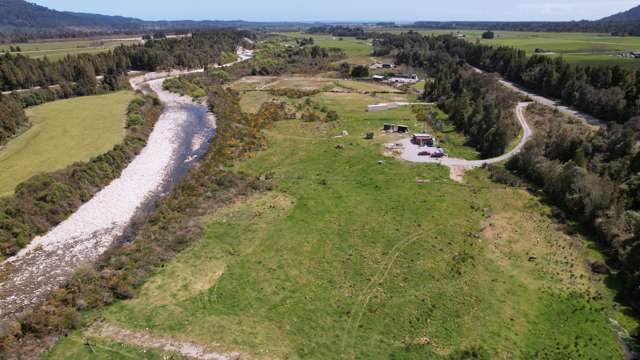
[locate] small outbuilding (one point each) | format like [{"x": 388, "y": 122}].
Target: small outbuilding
[
  {"x": 389, "y": 127},
  {"x": 402, "y": 129}
]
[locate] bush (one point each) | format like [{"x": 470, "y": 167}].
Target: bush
[
  {"x": 135, "y": 120},
  {"x": 360, "y": 71}
]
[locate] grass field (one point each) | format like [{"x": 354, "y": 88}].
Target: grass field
[
  {"x": 578, "y": 48},
  {"x": 358, "y": 51},
  {"x": 349, "y": 258},
  {"x": 311, "y": 83},
  {"x": 55, "y": 50},
  {"x": 63, "y": 132}
]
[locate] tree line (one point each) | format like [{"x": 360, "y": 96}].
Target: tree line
[
  {"x": 12, "y": 119},
  {"x": 608, "y": 92},
  {"x": 594, "y": 178},
  {"x": 76, "y": 75},
  {"x": 201, "y": 49},
  {"x": 618, "y": 28}
]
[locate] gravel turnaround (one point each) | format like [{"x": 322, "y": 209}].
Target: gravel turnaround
[
  {"x": 410, "y": 152},
  {"x": 179, "y": 137}
]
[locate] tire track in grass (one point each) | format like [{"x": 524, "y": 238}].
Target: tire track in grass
[{"x": 360, "y": 306}]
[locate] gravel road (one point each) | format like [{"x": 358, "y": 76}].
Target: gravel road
[
  {"x": 410, "y": 151},
  {"x": 550, "y": 103}
]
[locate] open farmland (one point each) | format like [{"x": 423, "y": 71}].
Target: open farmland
[
  {"x": 63, "y": 132},
  {"x": 577, "y": 48},
  {"x": 358, "y": 51},
  {"x": 349, "y": 258},
  {"x": 55, "y": 50}
]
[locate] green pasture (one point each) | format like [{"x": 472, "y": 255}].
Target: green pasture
[
  {"x": 63, "y": 132},
  {"x": 55, "y": 50},
  {"x": 357, "y": 256},
  {"x": 578, "y": 48}
]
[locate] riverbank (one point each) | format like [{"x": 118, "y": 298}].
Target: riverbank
[{"x": 50, "y": 259}]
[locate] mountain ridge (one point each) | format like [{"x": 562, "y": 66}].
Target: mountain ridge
[{"x": 632, "y": 14}]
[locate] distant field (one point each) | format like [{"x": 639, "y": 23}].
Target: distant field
[
  {"x": 578, "y": 48},
  {"x": 59, "y": 49},
  {"x": 358, "y": 51},
  {"x": 63, "y": 132},
  {"x": 348, "y": 258}
]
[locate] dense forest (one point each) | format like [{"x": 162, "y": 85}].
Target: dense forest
[
  {"x": 609, "y": 92},
  {"x": 478, "y": 105},
  {"x": 201, "y": 49}
]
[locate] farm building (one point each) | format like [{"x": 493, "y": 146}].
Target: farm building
[
  {"x": 377, "y": 78},
  {"x": 402, "y": 129},
  {"x": 385, "y": 106},
  {"x": 400, "y": 79},
  {"x": 423, "y": 140},
  {"x": 389, "y": 127}
]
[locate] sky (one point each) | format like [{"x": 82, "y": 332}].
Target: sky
[{"x": 349, "y": 10}]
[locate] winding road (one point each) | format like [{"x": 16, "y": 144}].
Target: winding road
[
  {"x": 410, "y": 151},
  {"x": 549, "y": 102}
]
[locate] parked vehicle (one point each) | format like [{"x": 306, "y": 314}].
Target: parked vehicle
[{"x": 424, "y": 153}]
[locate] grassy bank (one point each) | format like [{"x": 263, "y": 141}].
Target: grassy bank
[
  {"x": 63, "y": 132},
  {"x": 351, "y": 258}
]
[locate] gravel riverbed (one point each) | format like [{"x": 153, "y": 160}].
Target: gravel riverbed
[{"x": 180, "y": 136}]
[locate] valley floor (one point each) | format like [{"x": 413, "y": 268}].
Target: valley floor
[{"x": 351, "y": 257}]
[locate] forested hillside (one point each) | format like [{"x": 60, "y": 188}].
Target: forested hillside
[
  {"x": 23, "y": 16},
  {"x": 629, "y": 15}
]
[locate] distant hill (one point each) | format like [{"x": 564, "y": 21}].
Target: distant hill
[
  {"x": 19, "y": 16},
  {"x": 22, "y": 16},
  {"x": 629, "y": 15}
]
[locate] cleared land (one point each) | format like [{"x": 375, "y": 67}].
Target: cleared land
[
  {"x": 55, "y": 50},
  {"x": 349, "y": 258},
  {"x": 358, "y": 51},
  {"x": 63, "y": 132},
  {"x": 577, "y": 48}
]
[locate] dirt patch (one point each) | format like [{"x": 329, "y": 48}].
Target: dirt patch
[
  {"x": 166, "y": 344},
  {"x": 531, "y": 247},
  {"x": 456, "y": 173}
]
